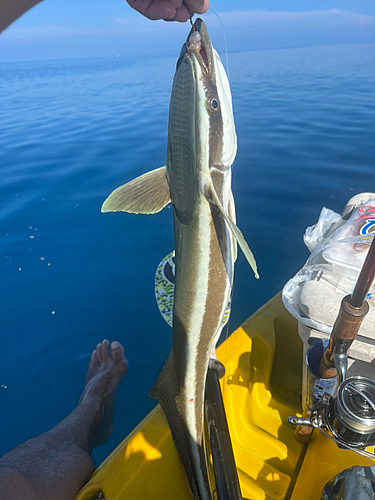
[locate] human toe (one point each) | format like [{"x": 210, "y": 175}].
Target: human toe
[
  {"x": 117, "y": 352},
  {"x": 99, "y": 352},
  {"x": 94, "y": 359},
  {"x": 105, "y": 349}
]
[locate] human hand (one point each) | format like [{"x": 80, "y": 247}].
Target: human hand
[{"x": 171, "y": 10}]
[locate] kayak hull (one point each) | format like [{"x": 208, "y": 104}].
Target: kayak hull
[{"x": 261, "y": 389}]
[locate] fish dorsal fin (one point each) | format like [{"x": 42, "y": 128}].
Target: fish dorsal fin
[
  {"x": 236, "y": 233},
  {"x": 147, "y": 194}
]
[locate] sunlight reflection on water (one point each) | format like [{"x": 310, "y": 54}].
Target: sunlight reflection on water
[{"x": 71, "y": 131}]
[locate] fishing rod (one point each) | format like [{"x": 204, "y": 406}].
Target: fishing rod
[
  {"x": 219, "y": 444},
  {"x": 352, "y": 312},
  {"x": 349, "y": 416}
]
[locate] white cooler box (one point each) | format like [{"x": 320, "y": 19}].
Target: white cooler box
[{"x": 338, "y": 246}]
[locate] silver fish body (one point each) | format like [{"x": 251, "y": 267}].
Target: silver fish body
[
  {"x": 202, "y": 146},
  {"x": 204, "y": 248}
]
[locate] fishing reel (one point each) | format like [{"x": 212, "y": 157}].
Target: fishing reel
[
  {"x": 346, "y": 415},
  {"x": 348, "y": 418}
]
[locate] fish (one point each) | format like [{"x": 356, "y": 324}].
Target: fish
[{"x": 201, "y": 149}]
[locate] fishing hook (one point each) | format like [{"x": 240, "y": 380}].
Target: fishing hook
[{"x": 191, "y": 14}]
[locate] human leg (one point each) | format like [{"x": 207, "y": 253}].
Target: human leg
[{"x": 56, "y": 464}]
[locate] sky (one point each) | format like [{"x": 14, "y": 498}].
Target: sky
[{"x": 58, "y": 29}]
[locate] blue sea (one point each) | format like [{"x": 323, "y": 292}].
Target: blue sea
[{"x": 73, "y": 130}]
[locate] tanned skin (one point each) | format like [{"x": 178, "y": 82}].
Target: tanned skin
[
  {"x": 56, "y": 464},
  {"x": 171, "y": 10}
]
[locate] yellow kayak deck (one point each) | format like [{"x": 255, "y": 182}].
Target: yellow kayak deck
[{"x": 261, "y": 389}]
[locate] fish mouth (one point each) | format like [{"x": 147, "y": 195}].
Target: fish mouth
[{"x": 198, "y": 46}]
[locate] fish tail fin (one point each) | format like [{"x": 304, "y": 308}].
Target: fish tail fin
[
  {"x": 164, "y": 389},
  {"x": 191, "y": 453},
  {"x": 165, "y": 392}
]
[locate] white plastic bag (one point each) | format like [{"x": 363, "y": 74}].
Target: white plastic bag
[{"x": 339, "y": 245}]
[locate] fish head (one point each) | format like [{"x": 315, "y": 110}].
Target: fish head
[
  {"x": 214, "y": 100},
  {"x": 202, "y": 140}
]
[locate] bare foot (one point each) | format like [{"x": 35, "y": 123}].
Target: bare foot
[{"x": 104, "y": 375}]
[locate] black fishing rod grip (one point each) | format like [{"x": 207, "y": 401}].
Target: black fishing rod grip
[{"x": 226, "y": 477}]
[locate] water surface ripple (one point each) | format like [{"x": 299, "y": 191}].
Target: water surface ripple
[{"x": 71, "y": 131}]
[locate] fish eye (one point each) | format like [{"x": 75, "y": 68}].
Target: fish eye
[{"x": 213, "y": 105}]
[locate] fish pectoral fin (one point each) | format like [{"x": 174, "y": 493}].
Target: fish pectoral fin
[
  {"x": 236, "y": 233},
  {"x": 147, "y": 194},
  {"x": 232, "y": 215}
]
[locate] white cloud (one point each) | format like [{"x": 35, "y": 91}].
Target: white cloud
[
  {"x": 140, "y": 24},
  {"x": 256, "y": 18},
  {"x": 260, "y": 17},
  {"x": 47, "y": 31},
  {"x": 120, "y": 25}
]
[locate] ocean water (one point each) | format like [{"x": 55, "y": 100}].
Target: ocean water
[{"x": 73, "y": 130}]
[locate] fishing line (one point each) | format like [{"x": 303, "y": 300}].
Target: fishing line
[
  {"x": 191, "y": 15},
  {"x": 225, "y": 41},
  {"x": 226, "y": 326},
  {"x": 225, "y": 331},
  {"x": 229, "y": 319}
]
